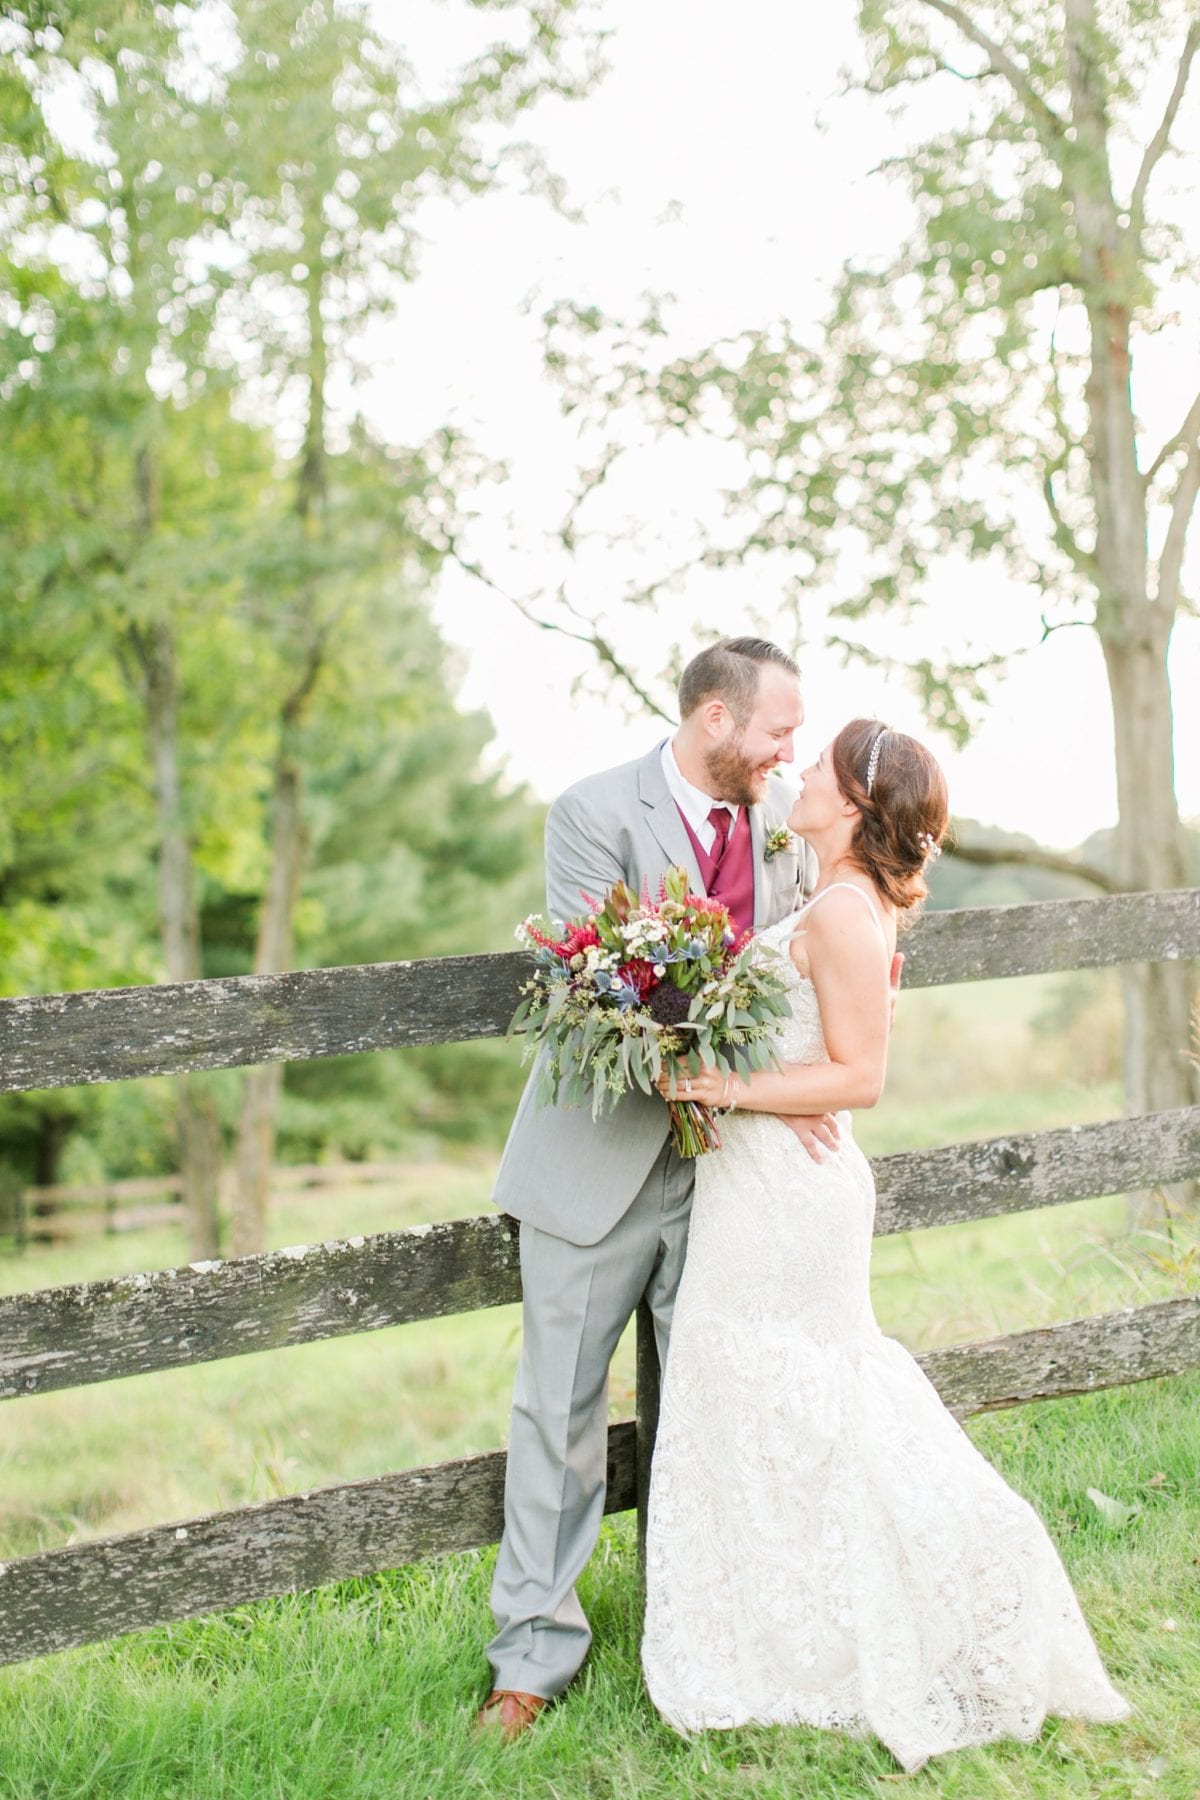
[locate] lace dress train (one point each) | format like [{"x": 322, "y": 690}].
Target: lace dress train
[{"x": 826, "y": 1546}]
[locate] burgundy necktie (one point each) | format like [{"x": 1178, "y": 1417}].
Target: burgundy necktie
[{"x": 721, "y": 819}]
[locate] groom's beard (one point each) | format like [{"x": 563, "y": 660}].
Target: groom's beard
[{"x": 732, "y": 776}]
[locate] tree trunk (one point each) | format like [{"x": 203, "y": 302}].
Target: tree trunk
[
  {"x": 53, "y": 1130},
  {"x": 199, "y": 1137},
  {"x": 255, "y": 1150},
  {"x": 1134, "y": 628},
  {"x": 198, "y": 1125},
  {"x": 1152, "y": 853}
]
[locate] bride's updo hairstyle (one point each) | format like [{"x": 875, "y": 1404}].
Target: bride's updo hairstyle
[{"x": 900, "y": 792}]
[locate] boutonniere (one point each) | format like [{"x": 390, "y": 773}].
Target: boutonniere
[{"x": 778, "y": 843}]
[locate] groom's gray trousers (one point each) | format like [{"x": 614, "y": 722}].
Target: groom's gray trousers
[{"x": 577, "y": 1301}]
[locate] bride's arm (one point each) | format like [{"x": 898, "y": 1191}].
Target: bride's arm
[{"x": 849, "y": 966}]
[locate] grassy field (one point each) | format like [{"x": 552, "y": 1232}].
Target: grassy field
[{"x": 367, "y": 1689}]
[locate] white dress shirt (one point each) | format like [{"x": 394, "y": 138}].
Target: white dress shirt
[{"x": 693, "y": 803}]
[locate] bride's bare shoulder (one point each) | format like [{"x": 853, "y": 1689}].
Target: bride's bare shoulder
[{"x": 846, "y": 915}]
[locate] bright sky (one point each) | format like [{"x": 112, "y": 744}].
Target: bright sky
[{"x": 716, "y": 162}]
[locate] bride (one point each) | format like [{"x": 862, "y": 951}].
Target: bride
[{"x": 825, "y": 1544}]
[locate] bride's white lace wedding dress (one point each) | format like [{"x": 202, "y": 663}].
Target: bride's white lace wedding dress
[{"x": 826, "y": 1546}]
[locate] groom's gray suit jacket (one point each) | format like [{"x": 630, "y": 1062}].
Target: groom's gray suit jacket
[{"x": 563, "y": 1171}]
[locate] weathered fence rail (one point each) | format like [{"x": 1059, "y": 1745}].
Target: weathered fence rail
[
  {"x": 135, "y": 1324},
  {"x": 97, "y": 1331},
  {"x": 114, "y": 1034}
]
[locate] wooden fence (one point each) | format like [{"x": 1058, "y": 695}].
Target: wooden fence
[
  {"x": 53, "y": 1214},
  {"x": 101, "y": 1330}
]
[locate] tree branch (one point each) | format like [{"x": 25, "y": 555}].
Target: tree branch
[
  {"x": 901, "y": 78},
  {"x": 1185, "y": 437},
  {"x": 1081, "y": 560},
  {"x": 1037, "y": 858},
  {"x": 1064, "y": 537},
  {"x": 1002, "y": 64},
  {"x": 1158, "y": 143},
  {"x": 297, "y": 700},
  {"x": 1050, "y": 626},
  {"x": 594, "y": 639},
  {"x": 592, "y": 480},
  {"x": 1183, "y": 504}
]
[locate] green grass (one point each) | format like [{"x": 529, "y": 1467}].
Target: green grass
[{"x": 367, "y": 1689}]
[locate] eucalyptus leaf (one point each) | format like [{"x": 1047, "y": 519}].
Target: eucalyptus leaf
[{"x": 1115, "y": 1513}]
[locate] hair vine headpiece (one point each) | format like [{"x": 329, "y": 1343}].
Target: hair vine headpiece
[
  {"x": 873, "y": 759},
  {"x": 929, "y": 845}
]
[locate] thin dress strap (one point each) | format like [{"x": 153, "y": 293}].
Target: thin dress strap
[{"x": 850, "y": 887}]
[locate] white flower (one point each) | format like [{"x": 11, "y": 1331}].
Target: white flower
[{"x": 639, "y": 934}]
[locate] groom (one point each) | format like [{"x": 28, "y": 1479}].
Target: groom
[{"x": 604, "y": 1204}]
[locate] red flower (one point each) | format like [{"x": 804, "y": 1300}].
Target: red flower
[
  {"x": 543, "y": 942},
  {"x": 639, "y": 975},
  {"x": 579, "y": 939}
]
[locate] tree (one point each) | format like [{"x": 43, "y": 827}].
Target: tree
[
  {"x": 338, "y": 151},
  {"x": 116, "y": 256},
  {"x": 240, "y": 208},
  {"x": 976, "y": 397},
  {"x": 414, "y": 852},
  {"x": 1024, "y": 203},
  {"x": 73, "y": 848}
]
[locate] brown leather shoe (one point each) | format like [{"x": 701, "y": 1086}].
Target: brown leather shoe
[{"x": 509, "y": 1713}]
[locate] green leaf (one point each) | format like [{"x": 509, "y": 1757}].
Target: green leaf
[
  {"x": 637, "y": 1063},
  {"x": 1115, "y": 1513},
  {"x": 592, "y": 1027}
]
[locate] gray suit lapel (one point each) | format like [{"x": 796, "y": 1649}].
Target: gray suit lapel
[
  {"x": 662, "y": 816},
  {"x": 777, "y": 890},
  {"x": 758, "y": 836}
]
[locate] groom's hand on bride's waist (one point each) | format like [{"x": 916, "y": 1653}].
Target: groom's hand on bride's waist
[
  {"x": 817, "y": 1134},
  {"x": 894, "y": 979}
]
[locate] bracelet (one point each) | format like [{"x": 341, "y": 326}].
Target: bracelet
[{"x": 729, "y": 1094}]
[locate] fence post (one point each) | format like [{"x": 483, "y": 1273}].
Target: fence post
[{"x": 648, "y": 1375}]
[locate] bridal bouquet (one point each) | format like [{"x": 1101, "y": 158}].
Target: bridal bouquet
[{"x": 639, "y": 986}]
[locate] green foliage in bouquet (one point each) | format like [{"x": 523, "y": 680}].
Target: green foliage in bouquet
[{"x": 642, "y": 985}]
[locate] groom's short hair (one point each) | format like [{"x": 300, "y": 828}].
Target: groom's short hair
[{"x": 729, "y": 670}]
